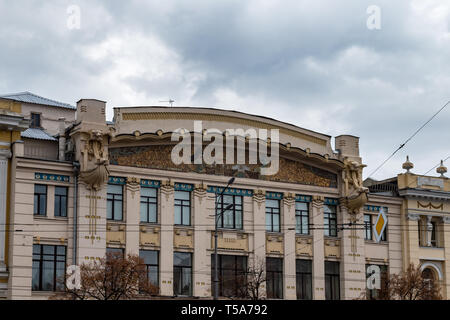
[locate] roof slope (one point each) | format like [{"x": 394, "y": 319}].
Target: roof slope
[
  {"x": 29, "y": 97},
  {"x": 39, "y": 134}
]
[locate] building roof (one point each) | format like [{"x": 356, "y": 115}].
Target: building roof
[
  {"x": 39, "y": 134},
  {"x": 29, "y": 97}
]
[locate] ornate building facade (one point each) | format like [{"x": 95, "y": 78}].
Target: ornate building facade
[{"x": 114, "y": 187}]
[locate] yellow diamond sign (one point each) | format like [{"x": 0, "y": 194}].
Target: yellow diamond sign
[{"x": 380, "y": 224}]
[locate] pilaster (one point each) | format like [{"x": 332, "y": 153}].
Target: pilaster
[
  {"x": 201, "y": 272},
  {"x": 132, "y": 194},
  {"x": 288, "y": 229},
  {"x": 259, "y": 231},
  {"x": 166, "y": 251},
  {"x": 318, "y": 249}
]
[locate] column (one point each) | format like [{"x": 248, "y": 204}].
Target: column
[
  {"x": 412, "y": 239},
  {"x": 318, "y": 249},
  {"x": 259, "y": 231},
  {"x": 352, "y": 265},
  {"x": 166, "y": 245},
  {"x": 4, "y": 159},
  {"x": 202, "y": 241},
  {"x": 132, "y": 196},
  {"x": 289, "y": 267}
]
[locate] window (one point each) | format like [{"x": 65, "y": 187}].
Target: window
[
  {"x": 302, "y": 217},
  {"x": 40, "y": 200},
  {"x": 151, "y": 261},
  {"x": 114, "y": 204},
  {"x": 368, "y": 227},
  {"x": 330, "y": 220},
  {"x": 273, "y": 215},
  {"x": 232, "y": 218},
  {"x": 115, "y": 252},
  {"x": 60, "y": 201},
  {"x": 231, "y": 271},
  {"x": 332, "y": 291},
  {"x": 49, "y": 267},
  {"x": 183, "y": 208},
  {"x": 182, "y": 274},
  {"x": 35, "y": 120},
  {"x": 149, "y": 205},
  {"x": 274, "y": 278},
  {"x": 375, "y": 293},
  {"x": 304, "y": 279}
]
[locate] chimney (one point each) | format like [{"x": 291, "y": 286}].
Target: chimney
[
  {"x": 91, "y": 111},
  {"x": 62, "y": 138}
]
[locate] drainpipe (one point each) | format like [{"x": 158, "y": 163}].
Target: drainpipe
[{"x": 76, "y": 171}]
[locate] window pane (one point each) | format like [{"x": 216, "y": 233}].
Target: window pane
[
  {"x": 62, "y": 191},
  {"x": 148, "y": 192},
  {"x": 115, "y": 189},
  {"x": 144, "y": 212},
  {"x": 177, "y": 215},
  {"x": 276, "y": 223},
  {"x": 272, "y": 203},
  {"x": 182, "y": 195},
  {"x": 152, "y": 213},
  {"x": 47, "y": 275},
  {"x": 118, "y": 210},
  {"x": 186, "y": 216},
  {"x": 268, "y": 222},
  {"x": 35, "y": 285},
  {"x": 42, "y": 204},
  {"x": 182, "y": 259},
  {"x": 301, "y": 206},
  {"x": 109, "y": 209}
]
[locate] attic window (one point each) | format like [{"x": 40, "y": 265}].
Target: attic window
[{"x": 35, "y": 120}]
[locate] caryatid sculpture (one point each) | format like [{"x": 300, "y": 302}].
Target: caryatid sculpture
[
  {"x": 355, "y": 193},
  {"x": 94, "y": 165}
]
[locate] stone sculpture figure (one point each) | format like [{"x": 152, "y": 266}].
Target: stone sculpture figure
[
  {"x": 94, "y": 165},
  {"x": 355, "y": 193}
]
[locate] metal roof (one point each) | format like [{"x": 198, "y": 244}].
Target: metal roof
[
  {"x": 29, "y": 97},
  {"x": 39, "y": 134}
]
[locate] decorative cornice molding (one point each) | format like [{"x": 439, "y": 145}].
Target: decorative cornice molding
[{"x": 413, "y": 217}]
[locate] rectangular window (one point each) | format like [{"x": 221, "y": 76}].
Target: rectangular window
[
  {"x": 304, "y": 279},
  {"x": 151, "y": 261},
  {"x": 40, "y": 200},
  {"x": 330, "y": 220},
  {"x": 182, "y": 274},
  {"x": 302, "y": 217},
  {"x": 61, "y": 201},
  {"x": 375, "y": 293},
  {"x": 114, "y": 205},
  {"x": 115, "y": 252},
  {"x": 35, "y": 120},
  {"x": 433, "y": 234},
  {"x": 272, "y": 215},
  {"x": 232, "y": 218},
  {"x": 368, "y": 227},
  {"x": 183, "y": 208},
  {"x": 274, "y": 278},
  {"x": 332, "y": 281},
  {"x": 149, "y": 205},
  {"x": 49, "y": 267},
  {"x": 232, "y": 271}
]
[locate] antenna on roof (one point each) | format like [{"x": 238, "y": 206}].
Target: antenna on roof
[{"x": 169, "y": 101}]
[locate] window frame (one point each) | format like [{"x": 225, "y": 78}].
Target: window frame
[
  {"x": 148, "y": 204},
  {"x": 271, "y": 278},
  {"x": 113, "y": 202},
  {"x": 299, "y": 216},
  {"x": 182, "y": 205},
  {"x": 222, "y": 205},
  {"x": 55, "y": 268},
  {"x": 329, "y": 216},
  {"x": 272, "y": 212},
  {"x": 40, "y": 196},
  {"x": 32, "y": 120},
  {"x": 181, "y": 273},
  {"x": 236, "y": 273},
  {"x": 333, "y": 292},
  {"x": 59, "y": 197},
  {"x": 150, "y": 265},
  {"x": 303, "y": 277}
]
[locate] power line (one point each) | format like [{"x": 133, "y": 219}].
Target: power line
[{"x": 407, "y": 140}]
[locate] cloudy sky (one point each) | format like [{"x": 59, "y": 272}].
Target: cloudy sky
[{"x": 315, "y": 64}]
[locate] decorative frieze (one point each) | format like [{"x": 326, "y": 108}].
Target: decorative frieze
[
  {"x": 51, "y": 177},
  {"x": 230, "y": 191}
]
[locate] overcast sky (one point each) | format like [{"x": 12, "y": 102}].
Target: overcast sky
[{"x": 315, "y": 64}]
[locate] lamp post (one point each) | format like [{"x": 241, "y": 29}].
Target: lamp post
[{"x": 216, "y": 260}]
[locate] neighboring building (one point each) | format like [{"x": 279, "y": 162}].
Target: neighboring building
[
  {"x": 12, "y": 123},
  {"x": 425, "y": 220},
  {"x": 48, "y": 120},
  {"x": 113, "y": 187}
]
